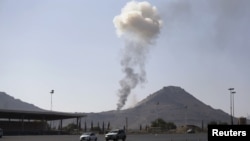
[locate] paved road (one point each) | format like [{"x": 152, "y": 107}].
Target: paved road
[{"x": 146, "y": 137}]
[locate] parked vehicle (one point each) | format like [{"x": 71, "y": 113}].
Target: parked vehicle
[
  {"x": 115, "y": 135},
  {"x": 88, "y": 136},
  {"x": 190, "y": 131}
]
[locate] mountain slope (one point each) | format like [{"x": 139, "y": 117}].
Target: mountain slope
[
  {"x": 173, "y": 104},
  {"x": 9, "y": 102},
  {"x": 177, "y": 105}
]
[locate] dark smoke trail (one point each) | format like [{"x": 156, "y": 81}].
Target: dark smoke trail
[{"x": 139, "y": 24}]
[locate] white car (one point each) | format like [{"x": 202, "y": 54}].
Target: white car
[{"x": 88, "y": 136}]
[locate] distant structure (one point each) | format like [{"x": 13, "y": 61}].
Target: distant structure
[
  {"x": 21, "y": 122},
  {"x": 242, "y": 121}
]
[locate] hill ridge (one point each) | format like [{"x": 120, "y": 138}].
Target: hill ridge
[
  {"x": 11, "y": 103},
  {"x": 171, "y": 103}
]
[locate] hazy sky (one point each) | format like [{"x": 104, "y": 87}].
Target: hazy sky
[{"x": 71, "y": 46}]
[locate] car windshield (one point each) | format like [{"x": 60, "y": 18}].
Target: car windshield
[
  {"x": 86, "y": 133},
  {"x": 114, "y": 131}
]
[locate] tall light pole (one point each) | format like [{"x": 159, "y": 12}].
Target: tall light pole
[
  {"x": 231, "y": 108},
  {"x": 52, "y": 91},
  {"x": 233, "y": 92}
]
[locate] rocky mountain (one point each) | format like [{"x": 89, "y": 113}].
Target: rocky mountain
[
  {"x": 9, "y": 102},
  {"x": 173, "y": 104}
]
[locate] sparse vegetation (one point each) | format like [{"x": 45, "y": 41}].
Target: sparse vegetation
[
  {"x": 71, "y": 128},
  {"x": 160, "y": 123}
]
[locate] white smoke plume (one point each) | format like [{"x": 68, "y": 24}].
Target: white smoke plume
[{"x": 139, "y": 25}]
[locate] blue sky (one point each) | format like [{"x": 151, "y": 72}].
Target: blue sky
[{"x": 71, "y": 46}]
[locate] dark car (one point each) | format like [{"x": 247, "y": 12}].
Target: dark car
[{"x": 115, "y": 135}]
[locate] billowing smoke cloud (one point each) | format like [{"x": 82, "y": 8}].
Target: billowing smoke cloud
[{"x": 139, "y": 25}]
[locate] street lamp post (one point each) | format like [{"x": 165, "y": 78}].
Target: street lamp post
[
  {"x": 231, "y": 103},
  {"x": 52, "y": 91}
]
